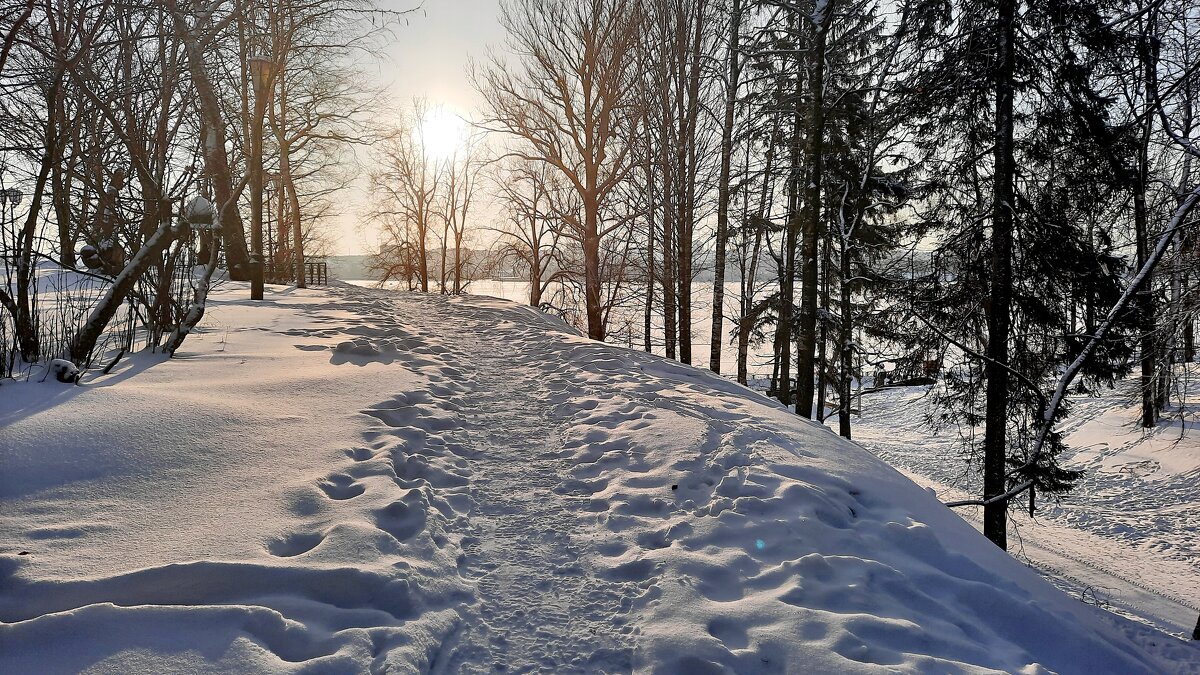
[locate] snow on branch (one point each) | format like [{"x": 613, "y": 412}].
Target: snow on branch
[{"x": 1064, "y": 381}]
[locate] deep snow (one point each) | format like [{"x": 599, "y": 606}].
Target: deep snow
[
  {"x": 349, "y": 480},
  {"x": 1126, "y": 537}
]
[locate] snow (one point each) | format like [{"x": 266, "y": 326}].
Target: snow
[
  {"x": 348, "y": 480},
  {"x": 1125, "y": 538},
  {"x": 626, "y": 322}
]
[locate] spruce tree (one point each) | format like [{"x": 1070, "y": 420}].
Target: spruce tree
[{"x": 1026, "y": 154}]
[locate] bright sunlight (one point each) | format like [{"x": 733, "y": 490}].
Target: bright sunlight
[{"x": 442, "y": 132}]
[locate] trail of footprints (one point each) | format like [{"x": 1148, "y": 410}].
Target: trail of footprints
[
  {"x": 412, "y": 469},
  {"x": 542, "y": 604},
  {"x": 370, "y": 531},
  {"x": 472, "y": 467},
  {"x": 611, "y": 470}
]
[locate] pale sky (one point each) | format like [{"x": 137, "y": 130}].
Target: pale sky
[{"x": 427, "y": 56}]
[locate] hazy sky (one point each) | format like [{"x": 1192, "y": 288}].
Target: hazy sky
[{"x": 427, "y": 56}]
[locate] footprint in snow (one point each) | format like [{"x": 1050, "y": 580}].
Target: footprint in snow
[
  {"x": 340, "y": 486},
  {"x": 294, "y": 544}
]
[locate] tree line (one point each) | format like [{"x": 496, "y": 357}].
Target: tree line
[{"x": 114, "y": 117}]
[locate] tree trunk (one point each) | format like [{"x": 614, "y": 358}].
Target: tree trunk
[
  {"x": 845, "y": 345},
  {"x": 823, "y": 333},
  {"x": 1189, "y": 340},
  {"x": 422, "y": 250},
  {"x": 445, "y": 251},
  {"x": 670, "y": 262},
  {"x": 24, "y": 319},
  {"x": 591, "y": 264},
  {"x": 535, "y": 278},
  {"x": 1145, "y": 298},
  {"x": 648, "y": 313},
  {"x": 458, "y": 261},
  {"x": 60, "y": 181},
  {"x": 995, "y": 515},
  {"x": 717, "y": 337},
  {"x": 692, "y": 106},
  {"x": 806, "y": 333},
  {"x": 783, "y": 329},
  {"x": 683, "y": 272}
]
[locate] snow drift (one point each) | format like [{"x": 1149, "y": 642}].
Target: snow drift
[{"x": 360, "y": 481}]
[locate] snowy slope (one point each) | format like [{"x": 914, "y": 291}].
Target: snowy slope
[
  {"x": 361, "y": 481},
  {"x": 1125, "y": 537}
]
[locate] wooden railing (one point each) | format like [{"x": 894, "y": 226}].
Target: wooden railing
[{"x": 316, "y": 273}]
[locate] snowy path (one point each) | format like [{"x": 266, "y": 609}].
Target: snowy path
[
  {"x": 541, "y": 607},
  {"x": 479, "y": 455}
]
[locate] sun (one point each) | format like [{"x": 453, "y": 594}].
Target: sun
[{"x": 442, "y": 133}]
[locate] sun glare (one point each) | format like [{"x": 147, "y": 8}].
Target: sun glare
[{"x": 442, "y": 133}]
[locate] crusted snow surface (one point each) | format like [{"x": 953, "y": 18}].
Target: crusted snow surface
[{"x": 348, "y": 480}]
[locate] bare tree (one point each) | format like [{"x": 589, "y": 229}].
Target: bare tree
[
  {"x": 409, "y": 182},
  {"x": 567, "y": 100},
  {"x": 523, "y": 189},
  {"x": 732, "y": 82},
  {"x": 208, "y": 21},
  {"x": 319, "y": 108},
  {"x": 462, "y": 185}
]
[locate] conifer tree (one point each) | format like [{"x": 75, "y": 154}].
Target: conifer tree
[{"x": 1015, "y": 189}]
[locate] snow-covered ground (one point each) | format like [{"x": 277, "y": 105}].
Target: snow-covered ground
[
  {"x": 1127, "y": 538},
  {"x": 349, "y": 480},
  {"x": 758, "y": 363}
]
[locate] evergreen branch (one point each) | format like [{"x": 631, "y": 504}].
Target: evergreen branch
[{"x": 1064, "y": 381}]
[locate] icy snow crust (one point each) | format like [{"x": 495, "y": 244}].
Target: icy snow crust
[{"x": 360, "y": 481}]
